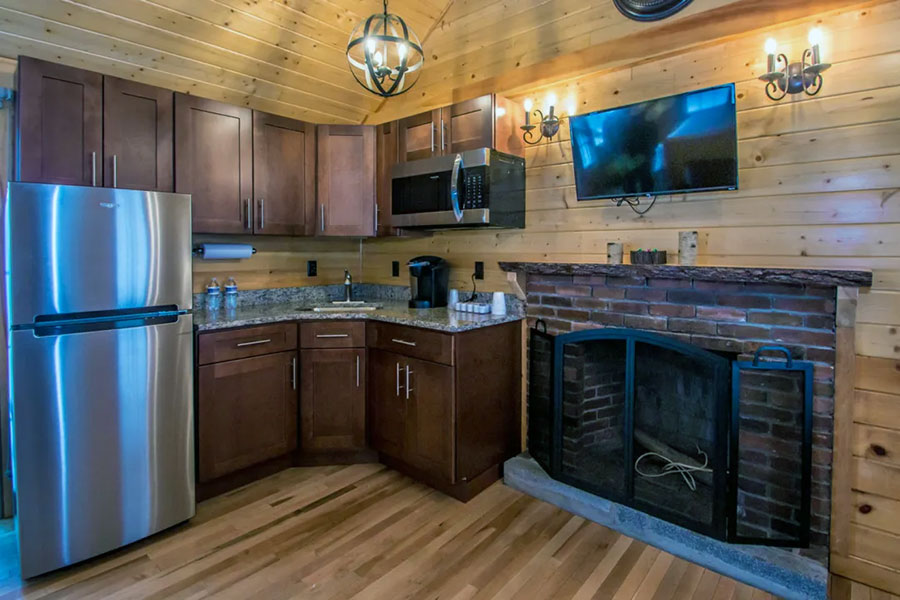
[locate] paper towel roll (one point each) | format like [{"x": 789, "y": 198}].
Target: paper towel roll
[{"x": 226, "y": 251}]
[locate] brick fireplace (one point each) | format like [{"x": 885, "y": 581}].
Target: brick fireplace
[{"x": 728, "y": 314}]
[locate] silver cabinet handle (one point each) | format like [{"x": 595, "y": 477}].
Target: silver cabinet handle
[
  {"x": 357, "y": 370},
  {"x": 262, "y": 214},
  {"x": 404, "y": 342},
  {"x": 294, "y": 373},
  {"x": 322, "y": 217},
  {"x": 115, "y": 171},
  {"x": 248, "y": 219},
  {"x": 398, "y": 380},
  {"x": 376, "y": 219},
  {"x": 94, "y": 169},
  {"x": 332, "y": 335},
  {"x": 432, "y": 138},
  {"x": 443, "y": 135},
  {"x": 253, "y": 343},
  {"x": 408, "y": 389}
]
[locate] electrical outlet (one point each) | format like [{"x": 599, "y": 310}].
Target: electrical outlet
[
  {"x": 395, "y": 268},
  {"x": 479, "y": 269},
  {"x": 312, "y": 268}
]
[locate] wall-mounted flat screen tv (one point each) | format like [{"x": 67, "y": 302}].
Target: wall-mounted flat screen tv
[{"x": 672, "y": 145}]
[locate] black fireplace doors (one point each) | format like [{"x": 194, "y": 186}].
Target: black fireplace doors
[{"x": 657, "y": 424}]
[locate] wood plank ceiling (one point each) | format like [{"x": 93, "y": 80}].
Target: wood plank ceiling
[{"x": 287, "y": 56}]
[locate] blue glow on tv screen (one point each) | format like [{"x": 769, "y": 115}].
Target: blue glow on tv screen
[{"x": 677, "y": 144}]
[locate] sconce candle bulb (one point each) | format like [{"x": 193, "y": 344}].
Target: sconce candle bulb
[{"x": 771, "y": 47}]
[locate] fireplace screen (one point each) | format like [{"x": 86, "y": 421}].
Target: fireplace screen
[{"x": 675, "y": 431}]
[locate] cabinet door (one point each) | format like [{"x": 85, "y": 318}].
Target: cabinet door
[
  {"x": 387, "y": 403},
  {"x": 386, "y": 156},
  {"x": 59, "y": 119},
  {"x": 213, "y": 163},
  {"x": 419, "y": 136},
  {"x": 284, "y": 175},
  {"x": 431, "y": 418},
  {"x": 346, "y": 180},
  {"x": 138, "y": 143},
  {"x": 469, "y": 125},
  {"x": 246, "y": 412},
  {"x": 333, "y": 399}
]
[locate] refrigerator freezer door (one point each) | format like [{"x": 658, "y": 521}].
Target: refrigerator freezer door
[
  {"x": 81, "y": 249},
  {"x": 104, "y": 439}
]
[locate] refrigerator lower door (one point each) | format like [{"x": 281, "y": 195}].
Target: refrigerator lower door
[{"x": 103, "y": 438}]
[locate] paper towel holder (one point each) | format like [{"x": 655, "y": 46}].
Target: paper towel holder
[{"x": 198, "y": 250}]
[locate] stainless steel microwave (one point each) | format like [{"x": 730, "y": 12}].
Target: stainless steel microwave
[{"x": 476, "y": 188}]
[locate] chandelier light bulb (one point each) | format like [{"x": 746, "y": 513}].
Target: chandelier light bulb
[
  {"x": 401, "y": 51},
  {"x": 371, "y": 44}
]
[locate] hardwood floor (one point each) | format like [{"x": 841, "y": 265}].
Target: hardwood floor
[{"x": 367, "y": 532}]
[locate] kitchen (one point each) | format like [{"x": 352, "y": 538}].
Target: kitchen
[{"x": 342, "y": 288}]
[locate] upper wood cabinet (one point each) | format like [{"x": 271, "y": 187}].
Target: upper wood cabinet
[
  {"x": 386, "y": 156},
  {"x": 59, "y": 120},
  {"x": 76, "y": 127},
  {"x": 345, "y": 197},
  {"x": 214, "y": 163},
  {"x": 138, "y": 142},
  {"x": 284, "y": 175},
  {"x": 486, "y": 121}
]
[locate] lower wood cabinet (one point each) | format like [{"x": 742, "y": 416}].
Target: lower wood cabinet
[
  {"x": 451, "y": 423},
  {"x": 333, "y": 399},
  {"x": 246, "y": 413}
]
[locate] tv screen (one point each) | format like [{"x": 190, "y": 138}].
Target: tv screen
[{"x": 683, "y": 143}]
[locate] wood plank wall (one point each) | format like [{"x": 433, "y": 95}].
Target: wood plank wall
[
  {"x": 819, "y": 181},
  {"x": 280, "y": 262}
]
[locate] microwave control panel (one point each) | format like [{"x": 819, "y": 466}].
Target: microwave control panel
[{"x": 474, "y": 195}]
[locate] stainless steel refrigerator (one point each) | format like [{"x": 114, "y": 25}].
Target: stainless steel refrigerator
[{"x": 98, "y": 286}]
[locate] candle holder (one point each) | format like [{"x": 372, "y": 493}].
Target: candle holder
[
  {"x": 548, "y": 126},
  {"x": 785, "y": 77}
]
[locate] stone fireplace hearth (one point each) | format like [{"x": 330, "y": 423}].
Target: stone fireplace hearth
[{"x": 678, "y": 406}]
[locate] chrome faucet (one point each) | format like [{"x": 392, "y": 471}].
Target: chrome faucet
[{"x": 348, "y": 286}]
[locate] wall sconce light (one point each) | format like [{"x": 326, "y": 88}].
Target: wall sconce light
[
  {"x": 548, "y": 125},
  {"x": 792, "y": 78}
]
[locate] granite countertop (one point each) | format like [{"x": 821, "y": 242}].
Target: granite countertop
[{"x": 391, "y": 311}]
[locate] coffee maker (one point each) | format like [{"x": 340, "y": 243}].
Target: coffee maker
[{"x": 428, "y": 280}]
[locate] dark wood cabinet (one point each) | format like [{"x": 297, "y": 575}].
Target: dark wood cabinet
[
  {"x": 387, "y": 403},
  {"x": 386, "y": 156},
  {"x": 487, "y": 121},
  {"x": 59, "y": 123},
  {"x": 333, "y": 399},
  {"x": 246, "y": 413},
  {"x": 419, "y": 136},
  {"x": 214, "y": 163},
  {"x": 345, "y": 196},
  {"x": 284, "y": 175},
  {"x": 429, "y": 425},
  {"x": 138, "y": 142},
  {"x": 452, "y": 419}
]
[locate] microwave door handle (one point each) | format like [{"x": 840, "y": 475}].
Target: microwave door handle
[{"x": 454, "y": 187}]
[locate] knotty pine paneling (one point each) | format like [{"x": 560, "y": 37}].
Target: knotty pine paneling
[
  {"x": 818, "y": 176},
  {"x": 280, "y": 262},
  {"x": 819, "y": 182}
]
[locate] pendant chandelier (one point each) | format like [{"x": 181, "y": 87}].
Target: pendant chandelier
[{"x": 385, "y": 55}]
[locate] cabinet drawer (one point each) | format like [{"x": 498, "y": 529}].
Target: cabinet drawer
[
  {"x": 333, "y": 334},
  {"x": 245, "y": 342},
  {"x": 412, "y": 341}
]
